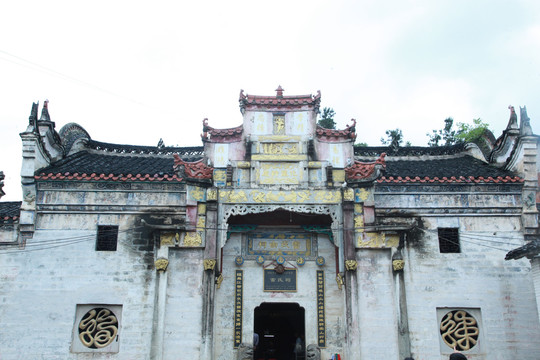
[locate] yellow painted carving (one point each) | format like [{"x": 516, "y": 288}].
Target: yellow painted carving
[
  {"x": 279, "y": 125},
  {"x": 219, "y": 280},
  {"x": 278, "y": 157},
  {"x": 392, "y": 240},
  {"x": 234, "y": 196},
  {"x": 351, "y": 265},
  {"x": 201, "y": 208},
  {"x": 314, "y": 165},
  {"x": 279, "y": 148},
  {"x": 370, "y": 240},
  {"x": 348, "y": 194},
  {"x": 197, "y": 193},
  {"x": 279, "y": 138},
  {"x": 328, "y": 196},
  {"x": 211, "y": 194},
  {"x": 398, "y": 265},
  {"x": 192, "y": 238},
  {"x": 201, "y": 222},
  {"x": 363, "y": 194},
  {"x": 244, "y": 164},
  {"x": 359, "y": 222},
  {"x": 339, "y": 280},
  {"x": 209, "y": 264},
  {"x": 258, "y": 196},
  {"x": 167, "y": 239},
  {"x": 376, "y": 240},
  {"x": 280, "y": 173},
  {"x": 303, "y": 196},
  {"x": 339, "y": 175},
  {"x": 220, "y": 175},
  {"x": 161, "y": 264},
  {"x": 358, "y": 209}
]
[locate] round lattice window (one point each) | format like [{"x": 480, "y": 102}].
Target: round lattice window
[
  {"x": 459, "y": 330},
  {"x": 98, "y": 328}
]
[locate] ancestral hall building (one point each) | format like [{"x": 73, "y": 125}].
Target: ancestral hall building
[{"x": 277, "y": 230}]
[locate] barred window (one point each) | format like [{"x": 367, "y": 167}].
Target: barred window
[
  {"x": 107, "y": 238},
  {"x": 449, "y": 240}
]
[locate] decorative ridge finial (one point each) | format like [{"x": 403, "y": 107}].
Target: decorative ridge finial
[
  {"x": 279, "y": 92},
  {"x": 45, "y": 112},
  {"x": 32, "y": 119},
  {"x": 525, "y": 128},
  {"x": 512, "y": 123}
]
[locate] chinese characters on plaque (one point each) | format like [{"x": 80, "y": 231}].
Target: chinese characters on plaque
[
  {"x": 238, "y": 308},
  {"x": 279, "y": 282},
  {"x": 321, "y": 328}
]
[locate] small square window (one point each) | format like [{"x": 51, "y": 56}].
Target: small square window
[
  {"x": 107, "y": 238},
  {"x": 449, "y": 240}
]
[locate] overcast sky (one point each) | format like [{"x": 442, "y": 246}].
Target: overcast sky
[{"x": 133, "y": 72}]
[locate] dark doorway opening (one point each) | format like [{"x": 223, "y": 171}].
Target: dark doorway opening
[{"x": 280, "y": 327}]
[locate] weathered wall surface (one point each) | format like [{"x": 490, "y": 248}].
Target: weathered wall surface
[
  {"x": 182, "y": 335},
  {"x": 377, "y": 313},
  {"x": 476, "y": 278},
  {"x": 39, "y": 294}
]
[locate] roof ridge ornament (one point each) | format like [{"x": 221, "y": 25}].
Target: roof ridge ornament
[
  {"x": 525, "y": 128},
  {"x": 45, "y": 112},
  {"x": 365, "y": 172},
  {"x": 512, "y": 122},
  {"x": 196, "y": 170},
  {"x": 279, "y": 91}
]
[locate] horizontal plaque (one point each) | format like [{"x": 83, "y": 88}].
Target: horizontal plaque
[
  {"x": 280, "y": 282},
  {"x": 288, "y": 244}
]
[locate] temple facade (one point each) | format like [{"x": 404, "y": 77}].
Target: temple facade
[{"x": 276, "y": 239}]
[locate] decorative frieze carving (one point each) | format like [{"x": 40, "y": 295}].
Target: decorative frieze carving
[
  {"x": 348, "y": 194},
  {"x": 193, "y": 238},
  {"x": 376, "y": 240},
  {"x": 274, "y": 196},
  {"x": 244, "y": 209}
]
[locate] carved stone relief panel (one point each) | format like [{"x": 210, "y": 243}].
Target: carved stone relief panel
[
  {"x": 460, "y": 328},
  {"x": 96, "y": 328}
]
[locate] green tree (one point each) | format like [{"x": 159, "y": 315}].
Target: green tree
[
  {"x": 471, "y": 133},
  {"x": 394, "y": 138},
  {"x": 327, "y": 118},
  {"x": 464, "y": 133},
  {"x": 446, "y": 136}
]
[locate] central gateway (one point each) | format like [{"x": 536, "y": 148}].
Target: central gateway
[{"x": 281, "y": 227}]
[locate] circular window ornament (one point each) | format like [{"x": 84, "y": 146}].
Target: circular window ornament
[
  {"x": 260, "y": 260},
  {"x": 301, "y": 261},
  {"x": 98, "y": 328},
  {"x": 459, "y": 330},
  {"x": 239, "y": 260},
  {"x": 320, "y": 261},
  {"x": 280, "y": 260}
]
